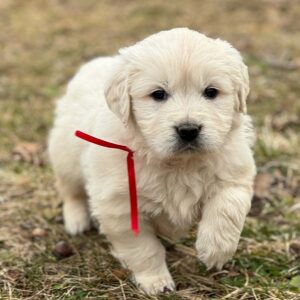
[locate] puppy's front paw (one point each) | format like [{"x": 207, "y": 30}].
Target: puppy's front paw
[
  {"x": 155, "y": 284},
  {"x": 76, "y": 218},
  {"x": 213, "y": 250}
]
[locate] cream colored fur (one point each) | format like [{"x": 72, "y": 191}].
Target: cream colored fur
[{"x": 109, "y": 98}]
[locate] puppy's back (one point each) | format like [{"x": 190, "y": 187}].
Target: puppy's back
[{"x": 82, "y": 103}]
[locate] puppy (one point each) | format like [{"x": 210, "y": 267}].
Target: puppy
[{"x": 178, "y": 99}]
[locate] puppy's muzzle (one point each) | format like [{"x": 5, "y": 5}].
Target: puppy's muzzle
[{"x": 188, "y": 132}]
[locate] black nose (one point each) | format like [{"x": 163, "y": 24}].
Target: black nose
[{"x": 188, "y": 132}]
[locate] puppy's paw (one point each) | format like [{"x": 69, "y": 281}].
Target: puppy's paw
[
  {"x": 155, "y": 284},
  {"x": 214, "y": 252},
  {"x": 76, "y": 218}
]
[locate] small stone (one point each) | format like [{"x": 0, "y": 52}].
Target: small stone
[
  {"x": 39, "y": 232},
  {"x": 62, "y": 250}
]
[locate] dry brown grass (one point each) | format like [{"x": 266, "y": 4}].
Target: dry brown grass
[{"x": 42, "y": 44}]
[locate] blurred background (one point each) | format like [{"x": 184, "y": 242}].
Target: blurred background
[{"x": 42, "y": 44}]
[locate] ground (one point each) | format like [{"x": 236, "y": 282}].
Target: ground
[{"x": 42, "y": 44}]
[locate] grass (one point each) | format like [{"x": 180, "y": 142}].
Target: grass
[{"x": 42, "y": 44}]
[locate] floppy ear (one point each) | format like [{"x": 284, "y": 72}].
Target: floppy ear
[
  {"x": 117, "y": 95},
  {"x": 243, "y": 90}
]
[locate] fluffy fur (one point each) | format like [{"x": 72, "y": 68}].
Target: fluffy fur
[{"x": 210, "y": 184}]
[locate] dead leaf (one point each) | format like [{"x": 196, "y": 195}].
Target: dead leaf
[
  {"x": 295, "y": 208},
  {"x": 31, "y": 153},
  {"x": 13, "y": 274},
  {"x": 295, "y": 247},
  {"x": 262, "y": 185},
  {"x": 282, "y": 121},
  {"x": 121, "y": 274},
  {"x": 257, "y": 206},
  {"x": 280, "y": 63}
]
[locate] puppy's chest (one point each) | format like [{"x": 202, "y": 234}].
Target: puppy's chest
[{"x": 177, "y": 193}]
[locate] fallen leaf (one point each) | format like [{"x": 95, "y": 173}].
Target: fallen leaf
[
  {"x": 121, "y": 274},
  {"x": 282, "y": 121},
  {"x": 13, "y": 274},
  {"x": 262, "y": 184},
  {"x": 257, "y": 206},
  {"x": 31, "y": 153},
  {"x": 296, "y": 207},
  {"x": 295, "y": 247},
  {"x": 295, "y": 281}
]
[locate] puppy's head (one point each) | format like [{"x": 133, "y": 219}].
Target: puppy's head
[{"x": 181, "y": 89}]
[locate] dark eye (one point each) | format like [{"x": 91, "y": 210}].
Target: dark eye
[
  {"x": 210, "y": 93},
  {"x": 159, "y": 95}
]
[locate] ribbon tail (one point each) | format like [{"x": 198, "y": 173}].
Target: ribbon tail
[{"x": 133, "y": 194}]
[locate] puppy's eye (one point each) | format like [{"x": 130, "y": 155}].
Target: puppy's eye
[
  {"x": 159, "y": 95},
  {"x": 210, "y": 93}
]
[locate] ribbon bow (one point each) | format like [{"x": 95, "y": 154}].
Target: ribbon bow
[{"x": 130, "y": 172}]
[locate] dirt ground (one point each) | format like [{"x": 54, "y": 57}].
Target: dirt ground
[{"x": 42, "y": 43}]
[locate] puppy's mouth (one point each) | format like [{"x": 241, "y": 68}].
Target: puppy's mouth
[{"x": 191, "y": 147}]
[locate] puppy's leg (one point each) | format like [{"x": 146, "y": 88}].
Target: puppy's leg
[
  {"x": 221, "y": 225},
  {"x": 75, "y": 207},
  {"x": 144, "y": 255}
]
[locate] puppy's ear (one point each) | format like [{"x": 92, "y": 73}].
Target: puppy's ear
[
  {"x": 117, "y": 94},
  {"x": 243, "y": 90}
]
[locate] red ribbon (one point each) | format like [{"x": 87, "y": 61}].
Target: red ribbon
[{"x": 130, "y": 172}]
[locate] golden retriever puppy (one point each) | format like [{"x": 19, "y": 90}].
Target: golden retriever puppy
[{"x": 178, "y": 99}]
